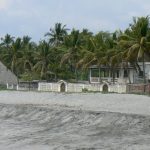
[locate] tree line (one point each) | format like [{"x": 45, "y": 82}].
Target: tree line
[{"x": 67, "y": 54}]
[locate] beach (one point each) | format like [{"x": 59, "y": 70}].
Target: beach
[
  {"x": 86, "y": 121},
  {"x": 122, "y": 103}
]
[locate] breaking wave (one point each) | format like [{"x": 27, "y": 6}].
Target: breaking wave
[{"x": 28, "y": 127}]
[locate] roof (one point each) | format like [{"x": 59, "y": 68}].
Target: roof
[{"x": 6, "y": 76}]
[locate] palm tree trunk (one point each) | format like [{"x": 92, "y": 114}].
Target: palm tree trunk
[
  {"x": 113, "y": 73},
  {"x": 144, "y": 72},
  {"x": 76, "y": 74},
  {"x": 42, "y": 72},
  {"x": 128, "y": 71},
  {"x": 12, "y": 66}
]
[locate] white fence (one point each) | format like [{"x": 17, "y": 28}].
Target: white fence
[
  {"x": 11, "y": 86},
  {"x": 54, "y": 87},
  {"x": 76, "y": 87},
  {"x": 71, "y": 87},
  {"x": 117, "y": 88}
]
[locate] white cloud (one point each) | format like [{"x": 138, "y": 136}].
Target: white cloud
[{"x": 36, "y": 16}]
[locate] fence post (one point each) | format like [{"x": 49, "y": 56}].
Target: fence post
[
  {"x": 17, "y": 87},
  {"x": 7, "y": 85},
  {"x": 39, "y": 87}
]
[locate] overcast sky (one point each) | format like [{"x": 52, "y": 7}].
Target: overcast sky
[{"x": 35, "y": 17}]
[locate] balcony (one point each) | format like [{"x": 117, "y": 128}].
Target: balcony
[{"x": 103, "y": 79}]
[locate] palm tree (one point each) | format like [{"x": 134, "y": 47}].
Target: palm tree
[
  {"x": 11, "y": 56},
  {"x": 42, "y": 57},
  {"x": 56, "y": 34},
  {"x": 5, "y": 47},
  {"x": 7, "y": 41},
  {"x": 101, "y": 49},
  {"x": 97, "y": 50},
  {"x": 25, "y": 60},
  {"x": 136, "y": 41},
  {"x": 72, "y": 45}
]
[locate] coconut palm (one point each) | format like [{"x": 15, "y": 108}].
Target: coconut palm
[
  {"x": 7, "y": 41},
  {"x": 42, "y": 57},
  {"x": 5, "y": 45},
  {"x": 11, "y": 56},
  {"x": 72, "y": 45},
  {"x": 56, "y": 34},
  {"x": 97, "y": 50},
  {"x": 136, "y": 41},
  {"x": 25, "y": 60}
]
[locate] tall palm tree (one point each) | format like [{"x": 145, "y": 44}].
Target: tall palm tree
[
  {"x": 5, "y": 47},
  {"x": 11, "y": 56},
  {"x": 96, "y": 50},
  {"x": 42, "y": 57},
  {"x": 7, "y": 40},
  {"x": 101, "y": 49},
  {"x": 25, "y": 60},
  {"x": 72, "y": 44},
  {"x": 56, "y": 34},
  {"x": 136, "y": 41}
]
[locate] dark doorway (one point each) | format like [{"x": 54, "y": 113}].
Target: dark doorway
[
  {"x": 105, "y": 88},
  {"x": 62, "y": 87}
]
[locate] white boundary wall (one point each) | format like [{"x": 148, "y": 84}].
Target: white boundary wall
[
  {"x": 117, "y": 88},
  {"x": 77, "y": 87},
  {"x": 54, "y": 87}
]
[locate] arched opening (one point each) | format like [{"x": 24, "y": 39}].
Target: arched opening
[
  {"x": 62, "y": 87},
  {"x": 105, "y": 88}
]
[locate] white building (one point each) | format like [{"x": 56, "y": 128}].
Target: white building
[{"x": 119, "y": 74}]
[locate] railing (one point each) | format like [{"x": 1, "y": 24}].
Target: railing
[
  {"x": 94, "y": 80},
  {"x": 25, "y": 86},
  {"x": 106, "y": 79}
]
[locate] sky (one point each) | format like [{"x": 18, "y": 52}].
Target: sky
[{"x": 36, "y": 17}]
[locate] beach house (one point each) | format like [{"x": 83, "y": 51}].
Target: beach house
[{"x": 121, "y": 74}]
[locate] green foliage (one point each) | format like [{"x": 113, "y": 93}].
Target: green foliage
[
  {"x": 68, "y": 55},
  {"x": 85, "y": 90},
  {"x": 3, "y": 87}
]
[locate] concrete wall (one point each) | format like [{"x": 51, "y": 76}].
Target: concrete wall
[
  {"x": 117, "y": 88},
  {"x": 54, "y": 87},
  {"x": 69, "y": 87},
  {"x": 75, "y": 87}
]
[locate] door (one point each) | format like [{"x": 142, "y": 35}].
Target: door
[
  {"x": 62, "y": 87},
  {"x": 105, "y": 88}
]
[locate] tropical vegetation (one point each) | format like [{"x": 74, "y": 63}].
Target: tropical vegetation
[{"x": 67, "y": 54}]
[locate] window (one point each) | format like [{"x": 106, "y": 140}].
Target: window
[
  {"x": 125, "y": 73},
  {"x": 117, "y": 73},
  {"x": 140, "y": 73},
  {"x": 94, "y": 73},
  {"x": 104, "y": 72}
]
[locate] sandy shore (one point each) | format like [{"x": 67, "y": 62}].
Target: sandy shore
[
  {"x": 122, "y": 103},
  {"x": 50, "y": 121}
]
